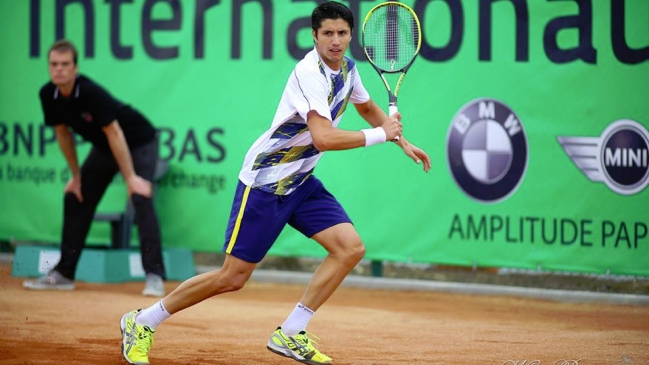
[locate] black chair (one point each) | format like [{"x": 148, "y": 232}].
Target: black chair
[{"x": 121, "y": 223}]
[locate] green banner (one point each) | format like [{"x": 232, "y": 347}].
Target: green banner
[{"x": 534, "y": 113}]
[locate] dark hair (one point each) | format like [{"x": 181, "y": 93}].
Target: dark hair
[
  {"x": 63, "y": 45},
  {"x": 331, "y": 10}
]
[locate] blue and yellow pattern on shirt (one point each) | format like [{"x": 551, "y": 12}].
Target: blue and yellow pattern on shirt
[
  {"x": 337, "y": 100},
  {"x": 269, "y": 163}
]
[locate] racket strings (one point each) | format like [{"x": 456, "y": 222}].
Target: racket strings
[{"x": 391, "y": 37}]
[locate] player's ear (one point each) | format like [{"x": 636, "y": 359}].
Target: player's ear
[{"x": 314, "y": 35}]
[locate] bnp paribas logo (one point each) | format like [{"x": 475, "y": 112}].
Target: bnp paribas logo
[{"x": 618, "y": 157}]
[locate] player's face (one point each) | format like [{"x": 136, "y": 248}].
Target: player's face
[
  {"x": 63, "y": 70},
  {"x": 332, "y": 40}
]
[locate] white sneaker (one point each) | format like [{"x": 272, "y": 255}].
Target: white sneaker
[
  {"x": 154, "y": 286},
  {"x": 52, "y": 281}
]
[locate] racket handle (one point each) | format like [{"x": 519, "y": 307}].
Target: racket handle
[{"x": 391, "y": 110}]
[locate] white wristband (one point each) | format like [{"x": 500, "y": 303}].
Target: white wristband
[{"x": 374, "y": 136}]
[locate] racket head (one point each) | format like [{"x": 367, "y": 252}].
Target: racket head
[{"x": 391, "y": 36}]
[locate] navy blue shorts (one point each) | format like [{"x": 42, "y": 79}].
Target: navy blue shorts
[{"x": 257, "y": 217}]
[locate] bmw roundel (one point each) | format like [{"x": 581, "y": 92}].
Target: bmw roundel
[{"x": 486, "y": 150}]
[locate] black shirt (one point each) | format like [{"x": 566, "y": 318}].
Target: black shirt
[{"x": 89, "y": 108}]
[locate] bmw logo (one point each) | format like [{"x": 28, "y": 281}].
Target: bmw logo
[{"x": 486, "y": 150}]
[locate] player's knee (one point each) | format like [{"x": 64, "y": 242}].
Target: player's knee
[
  {"x": 237, "y": 284},
  {"x": 232, "y": 284},
  {"x": 355, "y": 251},
  {"x": 359, "y": 252},
  {"x": 229, "y": 282}
]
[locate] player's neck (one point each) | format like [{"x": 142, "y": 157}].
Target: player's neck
[{"x": 333, "y": 67}]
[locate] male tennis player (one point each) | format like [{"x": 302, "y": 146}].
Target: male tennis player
[
  {"x": 123, "y": 140},
  {"x": 277, "y": 187}
]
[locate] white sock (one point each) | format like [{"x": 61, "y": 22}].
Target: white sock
[
  {"x": 152, "y": 316},
  {"x": 297, "y": 320}
]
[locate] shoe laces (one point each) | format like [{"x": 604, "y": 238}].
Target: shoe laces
[
  {"x": 307, "y": 339},
  {"x": 147, "y": 335},
  {"x": 142, "y": 338}
]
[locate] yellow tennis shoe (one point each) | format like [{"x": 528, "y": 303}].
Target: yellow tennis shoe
[
  {"x": 137, "y": 340},
  {"x": 299, "y": 347}
]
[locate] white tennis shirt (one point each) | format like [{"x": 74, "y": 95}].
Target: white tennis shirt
[{"x": 284, "y": 156}]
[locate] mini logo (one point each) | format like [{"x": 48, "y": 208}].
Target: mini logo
[
  {"x": 619, "y": 157},
  {"x": 486, "y": 150}
]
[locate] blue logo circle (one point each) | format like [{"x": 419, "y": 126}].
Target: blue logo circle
[{"x": 487, "y": 150}]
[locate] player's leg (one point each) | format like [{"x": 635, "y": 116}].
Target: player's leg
[
  {"x": 346, "y": 250},
  {"x": 139, "y": 326},
  {"x": 97, "y": 172},
  {"x": 256, "y": 219},
  {"x": 145, "y": 158},
  {"x": 322, "y": 218}
]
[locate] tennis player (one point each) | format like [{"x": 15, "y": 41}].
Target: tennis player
[{"x": 277, "y": 187}]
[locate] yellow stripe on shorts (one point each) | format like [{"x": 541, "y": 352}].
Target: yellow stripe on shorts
[{"x": 237, "y": 224}]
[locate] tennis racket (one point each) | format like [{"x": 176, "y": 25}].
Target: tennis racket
[{"x": 391, "y": 41}]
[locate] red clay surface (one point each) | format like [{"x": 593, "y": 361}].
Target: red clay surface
[{"x": 364, "y": 327}]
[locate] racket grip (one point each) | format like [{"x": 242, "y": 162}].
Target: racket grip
[{"x": 391, "y": 110}]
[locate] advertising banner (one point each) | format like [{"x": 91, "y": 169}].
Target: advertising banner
[{"x": 534, "y": 113}]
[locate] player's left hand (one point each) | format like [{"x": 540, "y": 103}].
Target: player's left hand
[
  {"x": 417, "y": 154},
  {"x": 139, "y": 186}
]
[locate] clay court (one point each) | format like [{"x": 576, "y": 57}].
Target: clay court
[{"x": 357, "y": 326}]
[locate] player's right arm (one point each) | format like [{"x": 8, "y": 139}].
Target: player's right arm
[
  {"x": 329, "y": 138},
  {"x": 311, "y": 101}
]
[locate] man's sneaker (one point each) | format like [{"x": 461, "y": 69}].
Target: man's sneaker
[
  {"x": 154, "y": 286},
  {"x": 52, "y": 281},
  {"x": 137, "y": 340},
  {"x": 298, "y": 347}
]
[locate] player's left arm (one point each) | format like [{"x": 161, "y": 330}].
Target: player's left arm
[
  {"x": 119, "y": 147},
  {"x": 414, "y": 152},
  {"x": 375, "y": 116}
]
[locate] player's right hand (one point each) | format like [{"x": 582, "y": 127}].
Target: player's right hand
[
  {"x": 393, "y": 127},
  {"x": 74, "y": 186}
]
